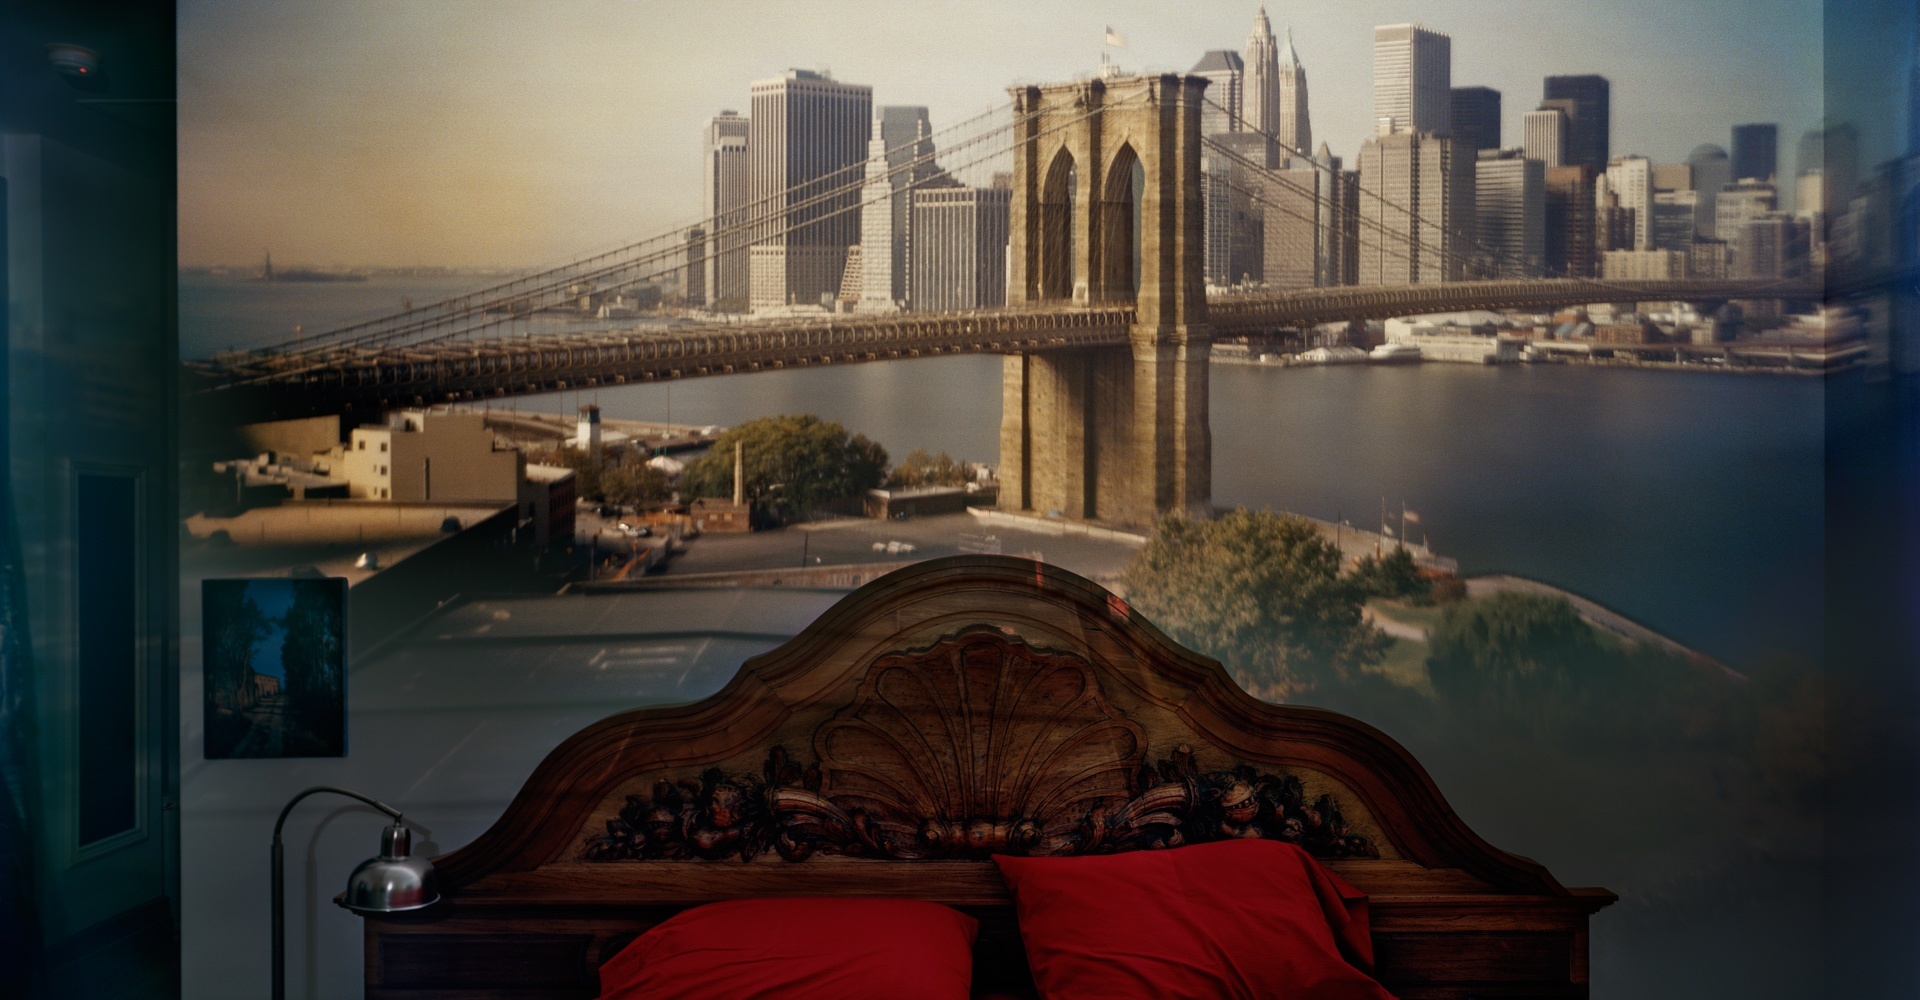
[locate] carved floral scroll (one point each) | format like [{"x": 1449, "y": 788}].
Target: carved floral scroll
[{"x": 976, "y": 746}]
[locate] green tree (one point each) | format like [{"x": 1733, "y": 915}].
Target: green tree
[
  {"x": 921, "y": 469},
  {"x": 1525, "y": 653},
  {"x": 1262, "y": 593},
  {"x": 794, "y": 464},
  {"x": 1393, "y": 575},
  {"x": 587, "y": 468},
  {"x": 635, "y": 484}
]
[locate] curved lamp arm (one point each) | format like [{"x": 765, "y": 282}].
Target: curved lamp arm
[
  {"x": 279, "y": 878},
  {"x": 376, "y": 803}
]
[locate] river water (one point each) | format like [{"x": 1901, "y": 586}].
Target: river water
[{"x": 1689, "y": 501}]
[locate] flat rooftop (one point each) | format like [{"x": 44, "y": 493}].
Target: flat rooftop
[{"x": 329, "y": 535}]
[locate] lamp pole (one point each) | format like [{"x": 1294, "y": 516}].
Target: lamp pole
[{"x": 394, "y": 848}]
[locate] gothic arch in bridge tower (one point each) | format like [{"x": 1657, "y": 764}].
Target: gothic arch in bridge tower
[
  {"x": 1120, "y": 226},
  {"x": 1106, "y": 211},
  {"x": 1055, "y": 236}
]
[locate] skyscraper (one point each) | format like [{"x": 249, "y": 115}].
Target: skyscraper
[
  {"x": 899, "y": 161},
  {"x": 807, "y": 131},
  {"x": 1813, "y": 152},
  {"x": 1613, "y": 223},
  {"x": 1476, "y": 117},
  {"x": 1739, "y": 203},
  {"x": 1292, "y": 206},
  {"x": 1835, "y": 154},
  {"x": 1672, "y": 177},
  {"x": 1771, "y": 245},
  {"x": 1543, "y": 134},
  {"x": 1630, "y": 179},
  {"x": 1510, "y": 213},
  {"x": 1810, "y": 197},
  {"x": 1589, "y": 136},
  {"x": 1709, "y": 258},
  {"x": 1296, "y": 128},
  {"x": 1412, "y": 80},
  {"x": 1262, "y": 91},
  {"x": 1225, "y": 75},
  {"x": 1572, "y": 218},
  {"x": 1711, "y": 172},
  {"x": 727, "y": 175},
  {"x": 1221, "y": 182},
  {"x": 879, "y": 292},
  {"x": 1416, "y": 209},
  {"x": 694, "y": 291},
  {"x": 1756, "y": 152},
  {"x": 1231, "y": 227},
  {"x": 1673, "y": 219},
  {"x": 1305, "y": 222},
  {"x": 960, "y": 247},
  {"x": 1842, "y": 164}
]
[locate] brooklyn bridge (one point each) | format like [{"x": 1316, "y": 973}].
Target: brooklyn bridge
[{"x": 1107, "y": 330}]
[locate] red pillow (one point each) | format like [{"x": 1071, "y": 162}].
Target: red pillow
[
  {"x": 1234, "y": 919},
  {"x": 843, "y": 948}
]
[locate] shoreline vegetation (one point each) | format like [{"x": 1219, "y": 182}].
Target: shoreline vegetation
[
  {"x": 1268, "y": 596},
  {"x": 1354, "y": 543}
]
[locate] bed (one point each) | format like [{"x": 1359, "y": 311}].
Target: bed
[{"x": 944, "y": 713}]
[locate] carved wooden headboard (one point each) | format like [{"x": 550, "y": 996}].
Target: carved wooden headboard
[{"x": 946, "y": 712}]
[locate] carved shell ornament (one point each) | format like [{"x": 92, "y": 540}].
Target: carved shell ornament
[{"x": 978, "y": 745}]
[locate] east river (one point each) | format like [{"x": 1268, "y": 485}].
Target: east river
[{"x": 1691, "y": 502}]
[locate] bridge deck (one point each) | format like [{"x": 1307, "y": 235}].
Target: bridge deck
[{"x": 323, "y": 380}]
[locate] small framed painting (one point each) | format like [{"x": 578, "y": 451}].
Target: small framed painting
[{"x": 275, "y": 657}]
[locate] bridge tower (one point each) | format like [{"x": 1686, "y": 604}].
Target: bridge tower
[{"x": 1107, "y": 211}]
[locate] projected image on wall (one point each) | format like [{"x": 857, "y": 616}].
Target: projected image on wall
[{"x": 275, "y": 667}]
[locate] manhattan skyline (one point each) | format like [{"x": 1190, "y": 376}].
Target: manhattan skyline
[{"x": 490, "y": 135}]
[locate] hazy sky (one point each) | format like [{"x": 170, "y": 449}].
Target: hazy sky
[{"x": 517, "y": 134}]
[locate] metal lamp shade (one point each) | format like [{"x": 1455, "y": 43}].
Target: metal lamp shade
[{"x": 394, "y": 881}]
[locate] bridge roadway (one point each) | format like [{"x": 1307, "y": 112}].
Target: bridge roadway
[{"x": 368, "y": 380}]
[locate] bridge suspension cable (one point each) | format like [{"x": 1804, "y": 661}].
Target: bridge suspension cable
[
  {"x": 752, "y": 227},
  {"x": 1391, "y": 244},
  {"x": 1416, "y": 221},
  {"x": 531, "y": 293},
  {"x": 285, "y": 366},
  {"x": 1393, "y": 247}
]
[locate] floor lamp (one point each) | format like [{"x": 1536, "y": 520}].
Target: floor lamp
[{"x": 392, "y": 882}]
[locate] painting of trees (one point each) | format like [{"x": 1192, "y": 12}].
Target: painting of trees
[
  {"x": 313, "y": 654},
  {"x": 232, "y": 623},
  {"x": 275, "y": 667}
]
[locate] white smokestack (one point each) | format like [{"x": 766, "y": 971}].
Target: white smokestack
[{"x": 739, "y": 473}]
